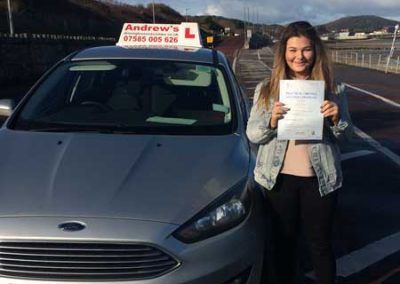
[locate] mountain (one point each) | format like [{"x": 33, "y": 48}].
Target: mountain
[
  {"x": 365, "y": 23},
  {"x": 80, "y": 17}
]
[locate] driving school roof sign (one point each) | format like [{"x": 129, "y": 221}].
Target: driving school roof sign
[{"x": 139, "y": 34}]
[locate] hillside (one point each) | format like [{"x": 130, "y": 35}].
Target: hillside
[
  {"x": 105, "y": 18},
  {"x": 358, "y": 24},
  {"x": 96, "y": 17},
  {"x": 218, "y": 23},
  {"x": 83, "y": 17}
]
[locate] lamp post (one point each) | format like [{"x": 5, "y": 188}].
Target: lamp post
[
  {"x": 396, "y": 28},
  {"x": 186, "y": 13},
  {"x": 154, "y": 15},
  {"x": 10, "y": 21}
]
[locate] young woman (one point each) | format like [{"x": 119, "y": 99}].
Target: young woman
[{"x": 300, "y": 178}]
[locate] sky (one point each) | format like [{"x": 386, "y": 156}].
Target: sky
[{"x": 283, "y": 11}]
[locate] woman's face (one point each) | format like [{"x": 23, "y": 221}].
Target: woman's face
[{"x": 299, "y": 56}]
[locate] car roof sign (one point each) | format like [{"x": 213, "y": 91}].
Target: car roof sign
[{"x": 160, "y": 35}]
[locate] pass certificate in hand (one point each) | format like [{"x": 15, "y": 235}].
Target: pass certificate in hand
[{"x": 303, "y": 120}]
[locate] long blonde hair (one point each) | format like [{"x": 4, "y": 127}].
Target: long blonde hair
[{"x": 320, "y": 69}]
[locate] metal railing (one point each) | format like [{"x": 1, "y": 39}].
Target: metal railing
[
  {"x": 371, "y": 59},
  {"x": 55, "y": 37}
]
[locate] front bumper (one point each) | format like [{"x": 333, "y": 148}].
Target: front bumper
[{"x": 214, "y": 260}]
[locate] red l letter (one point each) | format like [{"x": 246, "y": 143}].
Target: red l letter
[{"x": 188, "y": 34}]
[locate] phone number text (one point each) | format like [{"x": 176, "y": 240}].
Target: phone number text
[{"x": 156, "y": 39}]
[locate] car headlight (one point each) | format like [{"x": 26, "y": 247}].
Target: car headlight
[{"x": 224, "y": 213}]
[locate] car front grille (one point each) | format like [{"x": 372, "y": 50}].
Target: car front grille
[{"x": 83, "y": 261}]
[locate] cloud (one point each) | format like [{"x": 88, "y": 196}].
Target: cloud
[
  {"x": 213, "y": 9},
  {"x": 285, "y": 11},
  {"x": 322, "y": 11}
]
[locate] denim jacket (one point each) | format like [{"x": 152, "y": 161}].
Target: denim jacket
[{"x": 324, "y": 154}]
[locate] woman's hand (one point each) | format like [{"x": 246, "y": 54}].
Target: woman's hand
[
  {"x": 330, "y": 109},
  {"x": 277, "y": 113}
]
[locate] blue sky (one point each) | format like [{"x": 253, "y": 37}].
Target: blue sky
[{"x": 284, "y": 11}]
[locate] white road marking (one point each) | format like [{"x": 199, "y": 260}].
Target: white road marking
[
  {"x": 374, "y": 95},
  {"x": 356, "y": 154},
  {"x": 269, "y": 68},
  {"x": 371, "y": 141},
  {"x": 269, "y": 50},
  {"x": 262, "y": 62},
  {"x": 234, "y": 64},
  {"x": 258, "y": 55},
  {"x": 360, "y": 259}
]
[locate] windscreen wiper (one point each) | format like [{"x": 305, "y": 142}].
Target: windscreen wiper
[{"x": 92, "y": 128}]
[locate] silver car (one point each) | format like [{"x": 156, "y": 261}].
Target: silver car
[{"x": 130, "y": 165}]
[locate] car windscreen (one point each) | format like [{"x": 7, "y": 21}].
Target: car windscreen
[{"x": 130, "y": 96}]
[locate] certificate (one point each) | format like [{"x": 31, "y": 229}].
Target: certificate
[{"x": 303, "y": 120}]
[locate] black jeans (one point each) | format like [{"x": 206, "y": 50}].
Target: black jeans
[{"x": 296, "y": 205}]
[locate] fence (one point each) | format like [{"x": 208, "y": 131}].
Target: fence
[
  {"x": 373, "y": 59},
  {"x": 25, "y": 57},
  {"x": 56, "y": 37}
]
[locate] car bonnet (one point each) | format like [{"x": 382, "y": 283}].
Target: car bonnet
[{"x": 146, "y": 177}]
